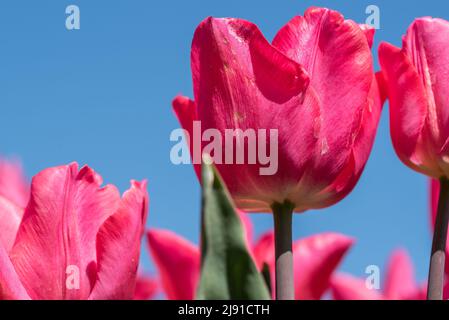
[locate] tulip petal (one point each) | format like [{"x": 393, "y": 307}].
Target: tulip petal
[
  {"x": 185, "y": 110},
  {"x": 400, "y": 278},
  {"x": 362, "y": 146},
  {"x": 58, "y": 233},
  {"x": 242, "y": 82},
  {"x": 426, "y": 44},
  {"x": 10, "y": 286},
  {"x": 315, "y": 260},
  {"x": 227, "y": 45},
  {"x": 118, "y": 246},
  {"x": 178, "y": 263},
  {"x": 13, "y": 185},
  {"x": 346, "y": 287},
  {"x": 10, "y": 218},
  {"x": 408, "y": 104},
  {"x": 337, "y": 57}
]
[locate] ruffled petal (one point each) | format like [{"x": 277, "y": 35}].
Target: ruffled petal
[
  {"x": 118, "y": 246},
  {"x": 55, "y": 244}
]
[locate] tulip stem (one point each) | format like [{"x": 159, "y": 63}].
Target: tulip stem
[
  {"x": 283, "y": 216},
  {"x": 437, "y": 258}
]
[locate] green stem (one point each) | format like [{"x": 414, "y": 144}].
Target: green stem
[
  {"x": 283, "y": 216},
  {"x": 438, "y": 256}
]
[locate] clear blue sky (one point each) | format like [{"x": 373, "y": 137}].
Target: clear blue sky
[{"x": 102, "y": 96}]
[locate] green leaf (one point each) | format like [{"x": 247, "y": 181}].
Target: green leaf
[{"x": 227, "y": 269}]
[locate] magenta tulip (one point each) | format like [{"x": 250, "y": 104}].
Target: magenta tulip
[
  {"x": 416, "y": 80},
  {"x": 76, "y": 240},
  {"x": 312, "y": 90},
  {"x": 314, "y": 84}
]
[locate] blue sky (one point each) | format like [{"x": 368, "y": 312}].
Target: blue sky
[{"x": 102, "y": 96}]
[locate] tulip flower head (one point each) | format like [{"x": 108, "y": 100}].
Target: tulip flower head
[
  {"x": 416, "y": 79},
  {"x": 314, "y": 84},
  {"x": 76, "y": 240}
]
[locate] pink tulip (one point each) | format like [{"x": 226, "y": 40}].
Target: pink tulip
[
  {"x": 314, "y": 84},
  {"x": 316, "y": 258},
  {"x": 399, "y": 283},
  {"x": 77, "y": 240},
  {"x": 416, "y": 78}
]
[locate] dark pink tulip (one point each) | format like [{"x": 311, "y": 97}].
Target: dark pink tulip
[
  {"x": 416, "y": 79},
  {"x": 314, "y": 83},
  {"x": 399, "y": 283},
  {"x": 316, "y": 258},
  {"x": 77, "y": 240}
]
